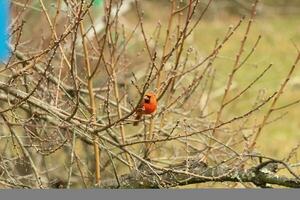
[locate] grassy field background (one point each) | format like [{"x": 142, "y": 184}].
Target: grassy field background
[
  {"x": 276, "y": 47},
  {"x": 280, "y": 32}
]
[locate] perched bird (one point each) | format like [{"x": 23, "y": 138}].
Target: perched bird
[{"x": 147, "y": 106}]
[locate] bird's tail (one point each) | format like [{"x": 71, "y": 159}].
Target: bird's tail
[{"x": 137, "y": 119}]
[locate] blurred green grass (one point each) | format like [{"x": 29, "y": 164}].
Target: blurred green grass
[{"x": 279, "y": 34}]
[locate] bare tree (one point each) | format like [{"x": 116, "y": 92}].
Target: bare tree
[{"x": 69, "y": 93}]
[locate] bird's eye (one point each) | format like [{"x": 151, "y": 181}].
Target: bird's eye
[{"x": 147, "y": 99}]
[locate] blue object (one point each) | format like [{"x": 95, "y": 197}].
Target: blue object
[{"x": 4, "y": 35}]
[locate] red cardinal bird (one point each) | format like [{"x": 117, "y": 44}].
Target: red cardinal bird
[{"x": 147, "y": 106}]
